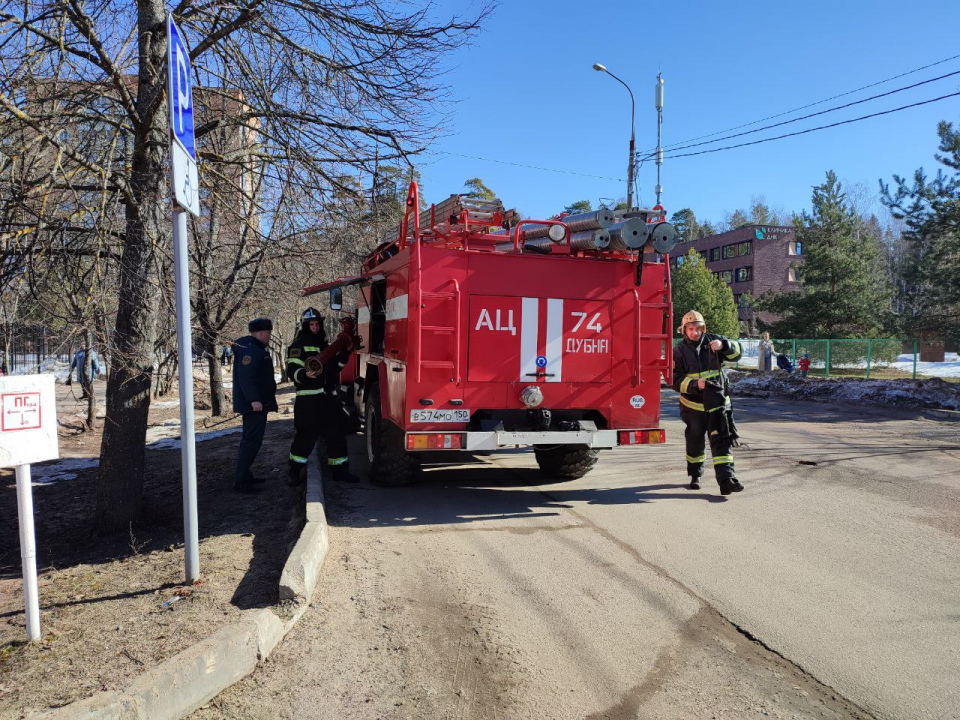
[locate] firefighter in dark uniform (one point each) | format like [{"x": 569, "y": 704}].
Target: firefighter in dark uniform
[
  {"x": 705, "y": 406},
  {"x": 254, "y": 395},
  {"x": 318, "y": 411}
]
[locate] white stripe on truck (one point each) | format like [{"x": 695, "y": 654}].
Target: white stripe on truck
[
  {"x": 529, "y": 327},
  {"x": 554, "y": 346}
]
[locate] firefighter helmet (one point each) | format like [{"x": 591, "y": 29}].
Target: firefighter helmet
[
  {"x": 691, "y": 317},
  {"x": 312, "y": 315}
]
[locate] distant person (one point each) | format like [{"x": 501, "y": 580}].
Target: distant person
[
  {"x": 804, "y": 364},
  {"x": 254, "y": 395},
  {"x": 226, "y": 355},
  {"x": 85, "y": 380},
  {"x": 765, "y": 354},
  {"x": 705, "y": 406}
]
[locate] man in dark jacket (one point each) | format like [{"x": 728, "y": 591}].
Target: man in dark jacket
[
  {"x": 705, "y": 406},
  {"x": 254, "y": 395},
  {"x": 314, "y": 366}
]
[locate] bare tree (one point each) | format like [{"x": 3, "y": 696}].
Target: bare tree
[{"x": 318, "y": 87}]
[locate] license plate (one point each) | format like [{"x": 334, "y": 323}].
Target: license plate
[{"x": 440, "y": 415}]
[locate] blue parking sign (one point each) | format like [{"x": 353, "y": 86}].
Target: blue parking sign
[{"x": 178, "y": 85}]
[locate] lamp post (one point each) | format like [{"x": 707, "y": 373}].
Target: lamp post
[{"x": 633, "y": 145}]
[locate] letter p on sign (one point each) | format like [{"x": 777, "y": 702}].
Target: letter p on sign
[
  {"x": 178, "y": 87},
  {"x": 183, "y": 88}
]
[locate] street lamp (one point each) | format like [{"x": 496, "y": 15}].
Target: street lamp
[{"x": 633, "y": 145}]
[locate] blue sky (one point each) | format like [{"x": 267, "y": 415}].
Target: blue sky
[{"x": 526, "y": 93}]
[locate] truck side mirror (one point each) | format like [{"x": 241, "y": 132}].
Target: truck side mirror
[{"x": 336, "y": 298}]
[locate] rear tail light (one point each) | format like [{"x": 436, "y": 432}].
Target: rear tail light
[
  {"x": 434, "y": 441},
  {"x": 642, "y": 437}
]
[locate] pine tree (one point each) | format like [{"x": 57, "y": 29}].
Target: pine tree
[
  {"x": 476, "y": 188},
  {"x": 706, "y": 229},
  {"x": 696, "y": 288},
  {"x": 686, "y": 223},
  {"x": 580, "y": 206},
  {"x": 841, "y": 293},
  {"x": 737, "y": 220},
  {"x": 930, "y": 261}
]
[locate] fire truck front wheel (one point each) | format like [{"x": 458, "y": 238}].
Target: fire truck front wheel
[
  {"x": 565, "y": 462},
  {"x": 390, "y": 463}
]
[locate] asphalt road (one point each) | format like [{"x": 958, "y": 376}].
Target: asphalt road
[{"x": 828, "y": 589}]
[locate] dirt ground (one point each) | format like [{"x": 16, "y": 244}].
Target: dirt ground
[
  {"x": 114, "y": 606},
  {"x": 409, "y": 622}
]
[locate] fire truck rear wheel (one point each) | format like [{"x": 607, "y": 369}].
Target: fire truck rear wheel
[
  {"x": 566, "y": 462},
  {"x": 390, "y": 463}
]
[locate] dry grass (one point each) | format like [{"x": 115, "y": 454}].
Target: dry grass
[{"x": 113, "y": 607}]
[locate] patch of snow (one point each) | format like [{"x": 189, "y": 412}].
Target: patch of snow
[
  {"x": 950, "y": 367},
  {"x": 173, "y": 443},
  {"x": 60, "y": 470},
  {"x": 927, "y": 393},
  {"x": 165, "y": 404}
]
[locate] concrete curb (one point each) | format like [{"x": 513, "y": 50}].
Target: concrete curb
[
  {"x": 195, "y": 676},
  {"x": 299, "y": 576}
]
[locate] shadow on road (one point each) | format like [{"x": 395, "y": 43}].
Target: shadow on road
[{"x": 454, "y": 494}]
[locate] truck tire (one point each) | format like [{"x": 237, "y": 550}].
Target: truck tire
[
  {"x": 565, "y": 462},
  {"x": 390, "y": 464}
]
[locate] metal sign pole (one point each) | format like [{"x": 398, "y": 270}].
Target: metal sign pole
[
  {"x": 28, "y": 552},
  {"x": 186, "y": 198},
  {"x": 188, "y": 463}
]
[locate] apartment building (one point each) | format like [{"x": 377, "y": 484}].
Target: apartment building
[{"x": 753, "y": 259}]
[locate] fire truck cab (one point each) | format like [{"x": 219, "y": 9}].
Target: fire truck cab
[{"x": 480, "y": 337}]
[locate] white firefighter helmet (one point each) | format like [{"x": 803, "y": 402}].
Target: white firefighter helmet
[{"x": 691, "y": 317}]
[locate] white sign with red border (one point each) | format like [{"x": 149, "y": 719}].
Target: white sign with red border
[{"x": 28, "y": 424}]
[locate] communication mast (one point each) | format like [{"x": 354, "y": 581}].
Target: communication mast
[{"x": 659, "y": 103}]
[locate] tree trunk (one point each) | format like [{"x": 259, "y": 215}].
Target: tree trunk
[
  {"x": 88, "y": 379},
  {"x": 148, "y": 225},
  {"x": 282, "y": 365},
  {"x": 211, "y": 349},
  {"x": 217, "y": 408}
]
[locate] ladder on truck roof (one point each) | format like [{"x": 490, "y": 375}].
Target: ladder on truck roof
[{"x": 462, "y": 212}]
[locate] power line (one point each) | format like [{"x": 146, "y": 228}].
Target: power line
[
  {"x": 529, "y": 167},
  {"x": 807, "y": 117},
  {"x": 821, "y": 127},
  {"x": 813, "y": 104}
]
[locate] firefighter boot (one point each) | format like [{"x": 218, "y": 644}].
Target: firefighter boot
[
  {"x": 729, "y": 485},
  {"x": 297, "y": 474},
  {"x": 694, "y": 482}
]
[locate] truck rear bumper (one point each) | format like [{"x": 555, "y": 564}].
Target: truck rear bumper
[
  {"x": 496, "y": 439},
  {"x": 500, "y": 439}
]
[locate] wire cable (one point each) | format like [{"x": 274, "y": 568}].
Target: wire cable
[
  {"x": 807, "y": 117},
  {"x": 813, "y": 104},
  {"x": 814, "y": 129}
]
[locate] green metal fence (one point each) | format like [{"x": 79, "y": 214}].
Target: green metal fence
[
  {"x": 850, "y": 357},
  {"x": 857, "y": 357}
]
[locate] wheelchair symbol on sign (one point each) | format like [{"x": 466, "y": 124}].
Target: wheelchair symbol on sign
[{"x": 541, "y": 361}]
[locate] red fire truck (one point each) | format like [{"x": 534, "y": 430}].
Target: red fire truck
[{"x": 479, "y": 337}]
